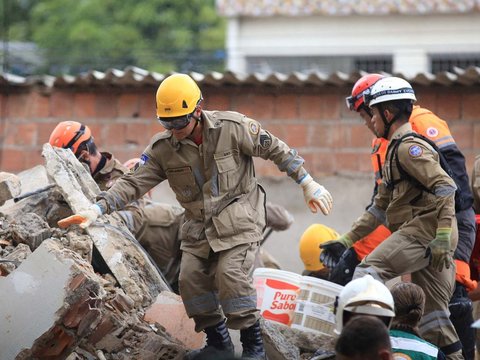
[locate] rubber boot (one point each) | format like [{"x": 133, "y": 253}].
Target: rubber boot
[
  {"x": 218, "y": 343},
  {"x": 252, "y": 342}
]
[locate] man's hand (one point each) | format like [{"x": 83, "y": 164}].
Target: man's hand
[
  {"x": 316, "y": 196},
  {"x": 439, "y": 249},
  {"x": 84, "y": 218},
  {"x": 333, "y": 250}
]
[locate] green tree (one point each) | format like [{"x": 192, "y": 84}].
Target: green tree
[{"x": 158, "y": 35}]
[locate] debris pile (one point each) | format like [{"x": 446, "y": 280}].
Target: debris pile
[{"x": 93, "y": 293}]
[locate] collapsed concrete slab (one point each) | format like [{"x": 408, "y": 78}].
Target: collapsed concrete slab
[{"x": 117, "y": 246}]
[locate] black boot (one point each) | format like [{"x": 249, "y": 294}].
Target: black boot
[
  {"x": 218, "y": 342},
  {"x": 252, "y": 342}
]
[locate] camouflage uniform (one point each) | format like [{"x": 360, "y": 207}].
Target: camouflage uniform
[
  {"x": 413, "y": 215},
  {"x": 224, "y": 209}
]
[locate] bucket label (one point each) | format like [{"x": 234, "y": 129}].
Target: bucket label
[{"x": 278, "y": 303}]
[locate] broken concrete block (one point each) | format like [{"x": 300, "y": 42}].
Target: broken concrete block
[
  {"x": 284, "y": 343},
  {"x": 168, "y": 311},
  {"x": 10, "y": 186},
  {"x": 49, "y": 285},
  {"x": 30, "y": 229}
]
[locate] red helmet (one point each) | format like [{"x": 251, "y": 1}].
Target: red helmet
[
  {"x": 364, "y": 83},
  {"x": 69, "y": 135}
]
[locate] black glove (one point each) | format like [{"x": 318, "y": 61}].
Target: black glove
[{"x": 331, "y": 253}]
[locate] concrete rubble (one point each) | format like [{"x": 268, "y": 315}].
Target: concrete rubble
[{"x": 93, "y": 293}]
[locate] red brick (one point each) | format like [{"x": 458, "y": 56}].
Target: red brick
[
  {"x": 85, "y": 105},
  {"x": 297, "y": 135},
  {"x": 62, "y": 104},
  {"x": 26, "y": 134},
  {"x": 3, "y": 105},
  {"x": 349, "y": 161},
  {"x": 115, "y": 134},
  {"x": 448, "y": 106},
  {"x": 148, "y": 105},
  {"x": 18, "y": 105},
  {"x": 463, "y": 133},
  {"x": 471, "y": 106},
  {"x": 331, "y": 106},
  {"x": 217, "y": 101},
  {"x": 360, "y": 136},
  {"x": 34, "y": 158},
  {"x": 426, "y": 99},
  {"x": 255, "y": 106},
  {"x": 128, "y": 105},
  {"x": 277, "y": 130},
  {"x": 13, "y": 160},
  {"x": 54, "y": 347},
  {"x": 332, "y": 136},
  {"x": 106, "y": 105},
  {"x": 44, "y": 130},
  {"x": 310, "y": 107},
  {"x": 9, "y": 132},
  {"x": 138, "y": 134},
  {"x": 286, "y": 107},
  {"x": 320, "y": 163},
  {"x": 39, "y": 105}
]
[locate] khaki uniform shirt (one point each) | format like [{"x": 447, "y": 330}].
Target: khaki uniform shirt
[
  {"x": 133, "y": 216},
  {"x": 408, "y": 207},
  {"x": 214, "y": 181}
]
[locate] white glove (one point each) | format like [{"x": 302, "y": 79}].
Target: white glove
[
  {"x": 90, "y": 215},
  {"x": 316, "y": 196}
]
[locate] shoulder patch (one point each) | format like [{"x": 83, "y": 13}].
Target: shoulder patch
[
  {"x": 253, "y": 127},
  {"x": 415, "y": 151},
  {"x": 432, "y": 132},
  {"x": 265, "y": 139},
  {"x": 143, "y": 160},
  {"x": 400, "y": 356}
]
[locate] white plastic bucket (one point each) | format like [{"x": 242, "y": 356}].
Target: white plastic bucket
[
  {"x": 315, "y": 305},
  {"x": 277, "y": 292}
]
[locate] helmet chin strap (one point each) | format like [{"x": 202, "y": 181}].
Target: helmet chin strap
[{"x": 387, "y": 125}]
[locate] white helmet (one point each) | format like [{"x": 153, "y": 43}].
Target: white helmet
[
  {"x": 389, "y": 89},
  {"x": 364, "y": 295}
]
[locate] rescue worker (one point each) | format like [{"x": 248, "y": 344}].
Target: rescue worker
[
  {"x": 103, "y": 167},
  {"x": 309, "y": 248},
  {"x": 155, "y": 225},
  {"x": 207, "y": 157},
  {"x": 425, "y": 123},
  {"x": 416, "y": 201}
]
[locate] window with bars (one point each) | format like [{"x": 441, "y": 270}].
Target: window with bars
[
  {"x": 325, "y": 64},
  {"x": 447, "y": 62}
]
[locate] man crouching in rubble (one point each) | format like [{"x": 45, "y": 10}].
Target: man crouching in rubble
[{"x": 207, "y": 157}]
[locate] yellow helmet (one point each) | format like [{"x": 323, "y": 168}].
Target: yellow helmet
[
  {"x": 310, "y": 242},
  {"x": 177, "y": 95}
]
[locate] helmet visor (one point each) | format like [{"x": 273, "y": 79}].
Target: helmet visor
[
  {"x": 175, "y": 123},
  {"x": 351, "y": 101}
]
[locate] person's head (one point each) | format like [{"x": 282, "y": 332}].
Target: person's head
[
  {"x": 409, "y": 301},
  {"x": 364, "y": 338},
  {"x": 309, "y": 246},
  {"x": 179, "y": 105},
  {"x": 76, "y": 137},
  {"x": 355, "y": 101},
  {"x": 363, "y": 296},
  {"x": 391, "y": 102}
]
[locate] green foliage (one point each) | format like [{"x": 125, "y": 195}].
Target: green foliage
[{"x": 159, "y": 35}]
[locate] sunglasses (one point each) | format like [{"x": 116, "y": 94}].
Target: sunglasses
[{"x": 175, "y": 123}]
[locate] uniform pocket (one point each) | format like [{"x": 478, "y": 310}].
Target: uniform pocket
[
  {"x": 234, "y": 219},
  {"x": 183, "y": 183},
  {"x": 192, "y": 230},
  {"x": 227, "y": 163}
]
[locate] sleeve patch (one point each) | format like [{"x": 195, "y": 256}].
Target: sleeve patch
[
  {"x": 143, "y": 159},
  {"x": 415, "y": 151},
  {"x": 253, "y": 127},
  {"x": 432, "y": 132},
  {"x": 265, "y": 139}
]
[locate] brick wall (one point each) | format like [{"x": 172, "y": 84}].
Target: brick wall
[{"x": 314, "y": 120}]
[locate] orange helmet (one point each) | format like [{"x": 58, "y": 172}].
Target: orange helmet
[
  {"x": 69, "y": 135},
  {"x": 364, "y": 83}
]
